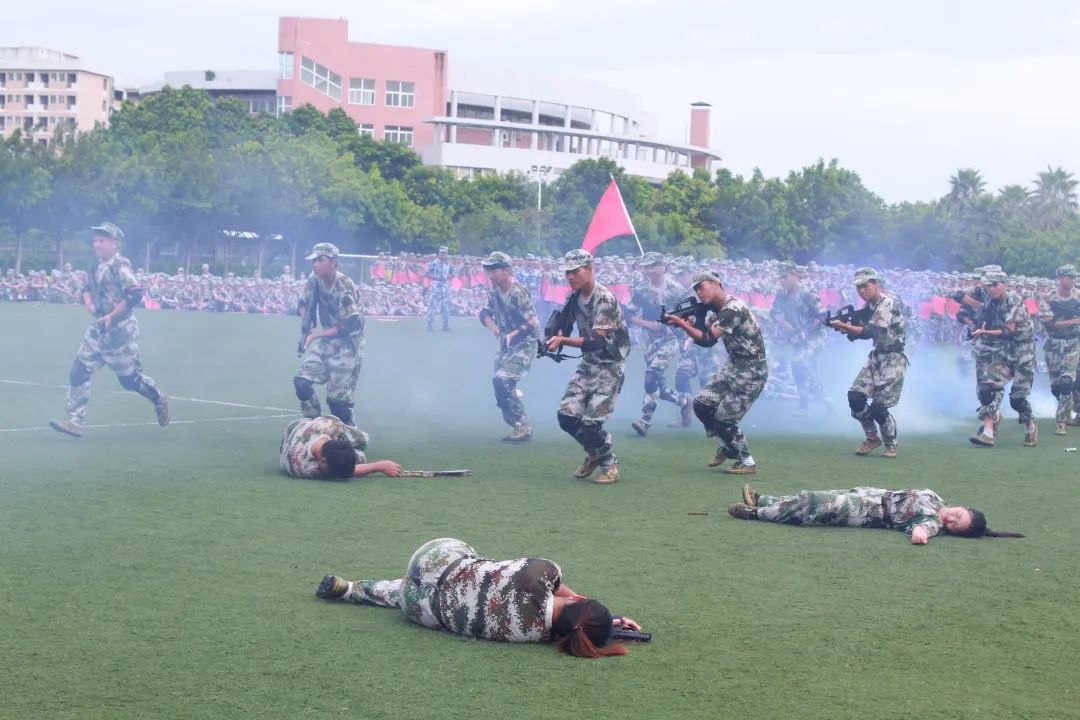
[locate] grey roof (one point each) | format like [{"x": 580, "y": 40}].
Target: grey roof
[{"x": 39, "y": 58}]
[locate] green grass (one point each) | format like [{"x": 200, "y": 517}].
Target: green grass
[{"x": 169, "y": 573}]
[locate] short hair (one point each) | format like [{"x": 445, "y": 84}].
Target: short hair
[{"x": 340, "y": 458}]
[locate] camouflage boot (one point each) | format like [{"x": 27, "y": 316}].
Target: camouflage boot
[
  {"x": 161, "y": 408},
  {"x": 741, "y": 511},
  {"x": 521, "y": 433},
  {"x": 719, "y": 458},
  {"x": 607, "y": 476},
  {"x": 586, "y": 468},
  {"x": 311, "y": 408},
  {"x": 67, "y": 427},
  {"x": 1031, "y": 436},
  {"x": 332, "y": 588},
  {"x": 641, "y": 426},
  {"x": 869, "y": 445}
]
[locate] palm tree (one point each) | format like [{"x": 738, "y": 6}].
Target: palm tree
[
  {"x": 965, "y": 187},
  {"x": 1054, "y": 197},
  {"x": 1014, "y": 204}
]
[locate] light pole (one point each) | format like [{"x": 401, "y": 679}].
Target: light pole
[{"x": 541, "y": 172}]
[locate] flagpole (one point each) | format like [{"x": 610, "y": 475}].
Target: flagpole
[{"x": 631, "y": 222}]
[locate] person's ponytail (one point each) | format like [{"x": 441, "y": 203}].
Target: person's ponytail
[
  {"x": 584, "y": 629},
  {"x": 978, "y": 528}
]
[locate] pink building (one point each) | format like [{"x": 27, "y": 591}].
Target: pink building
[
  {"x": 388, "y": 90},
  {"x": 42, "y": 90},
  {"x": 475, "y": 119}
]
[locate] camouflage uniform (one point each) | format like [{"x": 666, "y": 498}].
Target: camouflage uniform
[
  {"x": 661, "y": 346},
  {"x": 439, "y": 272},
  {"x": 723, "y": 402},
  {"x": 295, "y": 453},
  {"x": 881, "y": 379},
  {"x": 111, "y": 282},
  {"x": 1062, "y": 350},
  {"x": 333, "y": 361},
  {"x": 868, "y": 507},
  {"x": 1005, "y": 359},
  {"x": 595, "y": 386},
  {"x": 805, "y": 336},
  {"x": 447, "y": 586},
  {"x": 510, "y": 311}
]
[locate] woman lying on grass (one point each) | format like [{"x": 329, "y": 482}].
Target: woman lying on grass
[
  {"x": 448, "y": 586},
  {"x": 921, "y": 514}
]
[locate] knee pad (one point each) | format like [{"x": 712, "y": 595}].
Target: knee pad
[
  {"x": 569, "y": 423},
  {"x": 341, "y": 409},
  {"x": 1062, "y": 387},
  {"x": 129, "y": 382},
  {"x": 591, "y": 434},
  {"x": 856, "y": 401},
  {"x": 704, "y": 412},
  {"x": 879, "y": 412},
  {"x": 504, "y": 389},
  {"x": 304, "y": 387},
  {"x": 652, "y": 381},
  {"x": 726, "y": 431},
  {"x": 986, "y": 393},
  {"x": 1020, "y": 405},
  {"x": 79, "y": 374},
  {"x": 682, "y": 381}
]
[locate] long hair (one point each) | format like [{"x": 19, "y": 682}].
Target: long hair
[
  {"x": 584, "y": 630},
  {"x": 978, "y": 528}
]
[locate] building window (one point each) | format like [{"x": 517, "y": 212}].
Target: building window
[
  {"x": 400, "y": 94},
  {"x": 285, "y": 65},
  {"x": 71, "y": 79},
  {"x": 259, "y": 105},
  {"x": 320, "y": 77},
  {"x": 29, "y": 77},
  {"x": 366, "y": 130},
  {"x": 284, "y": 104},
  {"x": 361, "y": 91},
  {"x": 102, "y": 106},
  {"x": 394, "y": 133}
]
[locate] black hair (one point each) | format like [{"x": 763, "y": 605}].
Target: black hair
[
  {"x": 584, "y": 629},
  {"x": 340, "y": 458},
  {"x": 978, "y": 527}
]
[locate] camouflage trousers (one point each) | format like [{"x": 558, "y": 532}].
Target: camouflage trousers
[
  {"x": 119, "y": 349},
  {"x": 1062, "y": 359},
  {"x": 438, "y": 304},
  {"x": 334, "y": 362},
  {"x": 416, "y": 593},
  {"x": 697, "y": 362},
  {"x": 726, "y": 399},
  {"x": 660, "y": 351},
  {"x": 586, "y": 405},
  {"x": 881, "y": 381},
  {"x": 803, "y": 359},
  {"x": 998, "y": 365},
  {"x": 855, "y": 508},
  {"x": 511, "y": 365}
]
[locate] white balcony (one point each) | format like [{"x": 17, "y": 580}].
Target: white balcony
[
  {"x": 72, "y": 108},
  {"x": 33, "y": 107},
  {"x": 35, "y": 86}
]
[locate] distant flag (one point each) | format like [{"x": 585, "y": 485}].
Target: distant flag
[{"x": 610, "y": 220}]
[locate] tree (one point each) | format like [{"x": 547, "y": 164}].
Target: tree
[{"x": 1054, "y": 198}]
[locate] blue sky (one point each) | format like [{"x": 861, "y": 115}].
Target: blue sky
[{"x": 902, "y": 93}]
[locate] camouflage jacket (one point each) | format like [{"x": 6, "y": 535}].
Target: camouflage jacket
[
  {"x": 646, "y": 301},
  {"x": 511, "y": 600},
  {"x": 742, "y": 336},
  {"x": 512, "y": 310},
  {"x": 1046, "y": 313},
  {"x": 108, "y": 283},
  {"x": 887, "y": 321},
  {"x": 295, "y": 454},
  {"x": 601, "y": 312},
  {"x": 338, "y": 306},
  {"x": 1009, "y": 310},
  {"x": 439, "y": 272},
  {"x": 802, "y": 310}
]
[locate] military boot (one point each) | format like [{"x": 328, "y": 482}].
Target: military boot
[{"x": 332, "y": 588}]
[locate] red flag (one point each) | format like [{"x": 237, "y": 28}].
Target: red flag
[{"x": 609, "y": 220}]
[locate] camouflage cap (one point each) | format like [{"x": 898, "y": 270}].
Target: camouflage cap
[
  {"x": 987, "y": 268},
  {"x": 702, "y": 277},
  {"x": 108, "y": 229},
  {"x": 994, "y": 276},
  {"x": 651, "y": 258},
  {"x": 576, "y": 259},
  {"x": 328, "y": 249},
  {"x": 865, "y": 275},
  {"x": 786, "y": 267},
  {"x": 443, "y": 249},
  {"x": 1066, "y": 271},
  {"x": 496, "y": 260}
]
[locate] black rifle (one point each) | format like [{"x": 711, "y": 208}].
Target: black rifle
[
  {"x": 560, "y": 322},
  {"x": 991, "y": 316},
  {"x": 688, "y": 308},
  {"x": 1065, "y": 310},
  {"x": 848, "y": 314}
]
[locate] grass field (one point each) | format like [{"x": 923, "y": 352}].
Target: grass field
[{"x": 168, "y": 573}]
